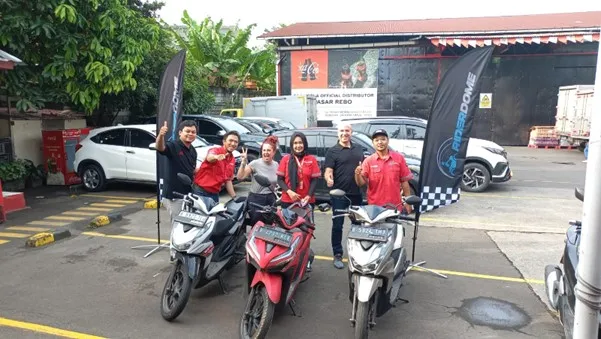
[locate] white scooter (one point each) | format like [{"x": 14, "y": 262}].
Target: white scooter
[{"x": 377, "y": 259}]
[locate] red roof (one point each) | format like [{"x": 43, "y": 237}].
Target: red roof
[{"x": 590, "y": 21}]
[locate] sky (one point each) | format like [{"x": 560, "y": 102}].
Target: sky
[{"x": 271, "y": 13}]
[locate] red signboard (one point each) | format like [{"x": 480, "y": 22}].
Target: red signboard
[{"x": 59, "y": 154}]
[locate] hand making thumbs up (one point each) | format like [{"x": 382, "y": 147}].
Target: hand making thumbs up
[{"x": 163, "y": 130}]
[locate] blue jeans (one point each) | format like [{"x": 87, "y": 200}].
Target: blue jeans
[
  {"x": 341, "y": 203},
  {"x": 199, "y": 191}
]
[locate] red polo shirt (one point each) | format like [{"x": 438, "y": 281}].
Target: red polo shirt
[
  {"x": 211, "y": 176},
  {"x": 310, "y": 170},
  {"x": 384, "y": 177}
]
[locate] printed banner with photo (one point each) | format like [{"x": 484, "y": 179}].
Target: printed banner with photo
[{"x": 344, "y": 82}]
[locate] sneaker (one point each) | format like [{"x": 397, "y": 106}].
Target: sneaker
[{"x": 338, "y": 262}]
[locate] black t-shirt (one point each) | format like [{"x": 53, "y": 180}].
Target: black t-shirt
[
  {"x": 181, "y": 160},
  {"x": 344, "y": 160}
]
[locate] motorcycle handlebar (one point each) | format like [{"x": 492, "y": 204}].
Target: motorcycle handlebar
[{"x": 178, "y": 195}]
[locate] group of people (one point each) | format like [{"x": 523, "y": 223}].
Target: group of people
[{"x": 385, "y": 173}]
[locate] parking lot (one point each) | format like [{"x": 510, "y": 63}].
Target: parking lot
[{"x": 493, "y": 246}]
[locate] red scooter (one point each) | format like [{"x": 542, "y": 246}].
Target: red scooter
[{"x": 278, "y": 253}]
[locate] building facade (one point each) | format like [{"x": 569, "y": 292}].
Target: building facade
[{"x": 387, "y": 68}]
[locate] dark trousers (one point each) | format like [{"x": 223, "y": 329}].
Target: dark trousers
[
  {"x": 260, "y": 199},
  {"x": 341, "y": 203},
  {"x": 201, "y": 191}
]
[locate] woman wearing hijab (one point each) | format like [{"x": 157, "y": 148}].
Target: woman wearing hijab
[
  {"x": 298, "y": 173},
  {"x": 266, "y": 167}
]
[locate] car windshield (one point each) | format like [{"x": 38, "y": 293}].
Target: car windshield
[
  {"x": 363, "y": 137},
  {"x": 286, "y": 124},
  {"x": 233, "y": 125},
  {"x": 199, "y": 142}
]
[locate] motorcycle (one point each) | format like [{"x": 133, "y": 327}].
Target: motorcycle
[
  {"x": 377, "y": 259},
  {"x": 559, "y": 284},
  {"x": 206, "y": 240},
  {"x": 278, "y": 254}
]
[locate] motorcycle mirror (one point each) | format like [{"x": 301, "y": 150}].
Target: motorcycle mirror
[
  {"x": 579, "y": 193},
  {"x": 413, "y": 200},
  {"x": 324, "y": 207},
  {"x": 184, "y": 179},
  {"x": 262, "y": 180},
  {"x": 337, "y": 193}
]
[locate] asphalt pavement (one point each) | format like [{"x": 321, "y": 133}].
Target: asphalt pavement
[{"x": 493, "y": 247}]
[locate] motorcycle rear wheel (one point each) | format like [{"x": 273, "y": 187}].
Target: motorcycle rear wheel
[
  {"x": 176, "y": 292},
  {"x": 258, "y": 314}
]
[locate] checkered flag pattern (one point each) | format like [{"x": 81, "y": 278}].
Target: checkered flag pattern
[{"x": 434, "y": 197}]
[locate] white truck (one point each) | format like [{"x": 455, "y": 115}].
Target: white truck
[
  {"x": 299, "y": 110},
  {"x": 573, "y": 119}
]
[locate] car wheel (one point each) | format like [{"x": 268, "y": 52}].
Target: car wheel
[
  {"x": 476, "y": 177},
  {"x": 93, "y": 178}
]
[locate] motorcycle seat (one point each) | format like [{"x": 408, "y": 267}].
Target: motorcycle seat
[
  {"x": 222, "y": 227},
  {"x": 235, "y": 209}
]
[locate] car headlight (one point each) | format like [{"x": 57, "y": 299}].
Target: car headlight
[{"x": 498, "y": 151}]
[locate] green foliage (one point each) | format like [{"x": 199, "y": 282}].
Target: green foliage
[
  {"x": 74, "y": 50},
  {"x": 222, "y": 54},
  {"x": 13, "y": 170}
]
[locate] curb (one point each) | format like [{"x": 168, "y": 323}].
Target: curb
[
  {"x": 45, "y": 238},
  {"x": 151, "y": 204},
  {"x": 103, "y": 220}
]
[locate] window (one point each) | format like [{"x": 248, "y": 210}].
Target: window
[
  {"x": 393, "y": 130},
  {"x": 364, "y": 141},
  {"x": 284, "y": 144},
  {"x": 199, "y": 142},
  {"x": 140, "y": 139},
  {"x": 206, "y": 127},
  {"x": 414, "y": 132},
  {"x": 329, "y": 142},
  {"x": 231, "y": 124},
  {"x": 115, "y": 137},
  {"x": 314, "y": 144}
]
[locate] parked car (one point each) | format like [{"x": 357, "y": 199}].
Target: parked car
[
  {"x": 320, "y": 139},
  {"x": 122, "y": 153},
  {"x": 486, "y": 162},
  {"x": 274, "y": 123},
  {"x": 213, "y": 127}
]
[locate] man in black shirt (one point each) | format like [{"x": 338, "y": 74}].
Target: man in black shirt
[
  {"x": 182, "y": 159},
  {"x": 340, "y": 163}
]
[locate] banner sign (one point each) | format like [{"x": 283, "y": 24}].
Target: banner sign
[
  {"x": 344, "y": 82},
  {"x": 170, "y": 110},
  {"x": 449, "y": 128}
]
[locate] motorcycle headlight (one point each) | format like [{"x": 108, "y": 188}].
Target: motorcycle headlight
[
  {"x": 367, "y": 258},
  {"x": 183, "y": 236}
]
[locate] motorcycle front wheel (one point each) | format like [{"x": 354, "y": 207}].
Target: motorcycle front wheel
[
  {"x": 176, "y": 292},
  {"x": 362, "y": 320},
  {"x": 258, "y": 314}
]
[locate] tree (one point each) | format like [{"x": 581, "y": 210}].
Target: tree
[{"x": 74, "y": 51}]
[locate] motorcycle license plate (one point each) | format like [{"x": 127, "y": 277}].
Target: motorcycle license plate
[
  {"x": 368, "y": 233},
  {"x": 274, "y": 236},
  {"x": 191, "y": 218}
]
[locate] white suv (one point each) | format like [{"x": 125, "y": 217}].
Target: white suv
[
  {"x": 486, "y": 162},
  {"x": 123, "y": 153}
]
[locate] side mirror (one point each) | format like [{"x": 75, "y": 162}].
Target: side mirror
[
  {"x": 152, "y": 146},
  {"x": 262, "y": 180},
  {"x": 184, "y": 179},
  {"x": 337, "y": 193},
  {"x": 579, "y": 193},
  {"x": 413, "y": 200},
  {"x": 324, "y": 207},
  {"x": 221, "y": 133},
  {"x": 366, "y": 154}
]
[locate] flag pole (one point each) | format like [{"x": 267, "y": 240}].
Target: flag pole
[{"x": 588, "y": 286}]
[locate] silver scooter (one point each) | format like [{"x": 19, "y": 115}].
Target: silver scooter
[
  {"x": 377, "y": 259},
  {"x": 206, "y": 240}
]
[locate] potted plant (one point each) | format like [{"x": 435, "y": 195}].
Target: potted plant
[
  {"x": 35, "y": 176},
  {"x": 13, "y": 175}
]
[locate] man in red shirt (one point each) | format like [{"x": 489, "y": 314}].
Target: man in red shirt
[
  {"x": 384, "y": 172},
  {"x": 218, "y": 169}
]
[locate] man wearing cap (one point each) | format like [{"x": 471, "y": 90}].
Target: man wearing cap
[{"x": 384, "y": 172}]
